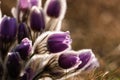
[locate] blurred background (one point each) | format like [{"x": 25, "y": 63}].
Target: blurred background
[{"x": 93, "y": 24}]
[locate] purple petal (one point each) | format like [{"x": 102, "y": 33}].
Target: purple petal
[
  {"x": 22, "y": 32},
  {"x": 14, "y": 65},
  {"x": 34, "y": 2},
  {"x": 23, "y": 4},
  {"x": 67, "y": 60},
  {"x": 59, "y": 36},
  {"x": 58, "y": 42},
  {"x": 37, "y": 21},
  {"x": 84, "y": 57},
  {"x": 24, "y": 48},
  {"x": 54, "y": 8},
  {"x": 56, "y": 46},
  {"x": 8, "y": 29}
]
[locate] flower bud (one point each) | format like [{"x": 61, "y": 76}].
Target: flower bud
[
  {"x": 54, "y": 8},
  {"x": 58, "y": 42},
  {"x": 22, "y": 32},
  {"x": 13, "y": 64},
  {"x": 37, "y": 20},
  {"x": 23, "y": 5},
  {"x": 84, "y": 57},
  {"x": 34, "y": 2},
  {"x": 24, "y": 48},
  {"x": 68, "y": 60},
  {"x": 8, "y": 29},
  {"x": 87, "y": 58}
]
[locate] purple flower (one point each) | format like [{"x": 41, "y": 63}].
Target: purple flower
[
  {"x": 13, "y": 64},
  {"x": 34, "y": 2},
  {"x": 84, "y": 57},
  {"x": 37, "y": 20},
  {"x": 22, "y": 32},
  {"x": 58, "y": 42},
  {"x": 54, "y": 8},
  {"x": 68, "y": 60},
  {"x": 87, "y": 58},
  {"x": 23, "y": 5},
  {"x": 8, "y": 29},
  {"x": 24, "y": 48}
]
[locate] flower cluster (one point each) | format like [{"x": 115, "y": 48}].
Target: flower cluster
[{"x": 32, "y": 45}]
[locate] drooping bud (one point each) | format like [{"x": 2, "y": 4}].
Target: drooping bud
[
  {"x": 55, "y": 8},
  {"x": 8, "y": 29},
  {"x": 22, "y": 32},
  {"x": 61, "y": 64},
  {"x": 24, "y": 48},
  {"x": 87, "y": 58},
  {"x": 37, "y": 20},
  {"x": 13, "y": 64},
  {"x": 84, "y": 57},
  {"x": 68, "y": 60},
  {"x": 86, "y": 61},
  {"x": 59, "y": 42}
]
